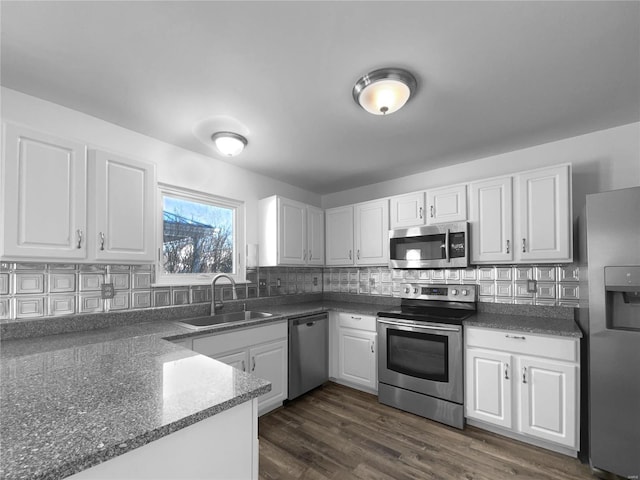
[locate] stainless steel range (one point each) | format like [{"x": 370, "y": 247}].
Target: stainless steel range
[{"x": 420, "y": 358}]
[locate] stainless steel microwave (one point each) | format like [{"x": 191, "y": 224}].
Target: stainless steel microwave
[{"x": 434, "y": 246}]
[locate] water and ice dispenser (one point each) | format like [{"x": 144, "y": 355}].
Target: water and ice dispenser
[{"x": 622, "y": 286}]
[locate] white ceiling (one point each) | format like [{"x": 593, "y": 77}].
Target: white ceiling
[{"x": 492, "y": 76}]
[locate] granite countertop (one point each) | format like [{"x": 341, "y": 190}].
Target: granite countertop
[
  {"x": 71, "y": 401},
  {"x": 565, "y": 327}
]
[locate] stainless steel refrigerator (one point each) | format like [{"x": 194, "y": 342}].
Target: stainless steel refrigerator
[{"x": 613, "y": 250}]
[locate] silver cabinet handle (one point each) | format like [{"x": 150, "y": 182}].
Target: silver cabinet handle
[
  {"x": 350, "y": 258},
  {"x": 101, "y": 241},
  {"x": 517, "y": 337},
  {"x": 506, "y": 371},
  {"x": 372, "y": 344},
  {"x": 431, "y": 209},
  {"x": 507, "y": 246},
  {"x": 79, "y": 235},
  {"x": 358, "y": 254},
  {"x": 356, "y": 318},
  {"x": 304, "y": 255},
  {"x": 524, "y": 374},
  {"x": 244, "y": 369},
  {"x": 310, "y": 254},
  {"x": 253, "y": 365},
  {"x": 420, "y": 212},
  {"x": 524, "y": 245}
]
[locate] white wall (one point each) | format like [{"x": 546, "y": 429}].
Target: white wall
[
  {"x": 604, "y": 160},
  {"x": 175, "y": 165}
]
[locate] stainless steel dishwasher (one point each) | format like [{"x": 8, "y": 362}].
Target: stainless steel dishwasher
[{"x": 308, "y": 353}]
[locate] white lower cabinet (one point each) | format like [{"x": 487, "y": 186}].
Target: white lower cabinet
[
  {"x": 525, "y": 386},
  {"x": 261, "y": 351},
  {"x": 355, "y": 336}
]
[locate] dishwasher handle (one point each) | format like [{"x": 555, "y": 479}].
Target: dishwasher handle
[{"x": 308, "y": 320}]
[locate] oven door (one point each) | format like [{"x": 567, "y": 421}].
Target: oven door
[{"x": 422, "y": 357}]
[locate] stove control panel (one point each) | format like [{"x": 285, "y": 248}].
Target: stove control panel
[{"x": 421, "y": 291}]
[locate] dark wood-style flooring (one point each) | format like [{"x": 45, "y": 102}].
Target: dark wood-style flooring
[{"x": 336, "y": 432}]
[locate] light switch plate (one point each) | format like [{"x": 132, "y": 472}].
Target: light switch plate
[{"x": 532, "y": 286}]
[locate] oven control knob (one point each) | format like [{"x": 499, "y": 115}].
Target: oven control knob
[
  {"x": 407, "y": 289},
  {"x": 415, "y": 290},
  {"x": 454, "y": 292},
  {"x": 465, "y": 292}
]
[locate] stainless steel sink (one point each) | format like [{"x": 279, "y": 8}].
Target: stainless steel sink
[{"x": 198, "y": 323}]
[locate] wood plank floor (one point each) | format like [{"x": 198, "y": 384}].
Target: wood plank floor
[{"x": 336, "y": 432}]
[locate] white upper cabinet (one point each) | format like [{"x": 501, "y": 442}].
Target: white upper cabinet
[
  {"x": 291, "y": 233},
  {"x": 522, "y": 218},
  {"x": 315, "y": 235},
  {"x": 545, "y": 230},
  {"x": 407, "y": 210},
  {"x": 358, "y": 234},
  {"x": 44, "y": 196},
  {"x": 60, "y": 206},
  {"x": 491, "y": 220},
  {"x": 372, "y": 233},
  {"x": 122, "y": 217},
  {"x": 339, "y": 238},
  {"x": 448, "y": 204}
]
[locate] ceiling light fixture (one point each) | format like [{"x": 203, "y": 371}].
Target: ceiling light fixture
[
  {"x": 229, "y": 143},
  {"x": 384, "y": 91}
]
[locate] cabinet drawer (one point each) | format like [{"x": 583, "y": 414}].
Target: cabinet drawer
[
  {"x": 560, "y": 348},
  {"x": 237, "y": 339},
  {"x": 357, "y": 321}
]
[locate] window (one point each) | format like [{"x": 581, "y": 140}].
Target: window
[{"x": 201, "y": 236}]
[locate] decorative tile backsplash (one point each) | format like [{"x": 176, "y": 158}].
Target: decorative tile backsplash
[
  {"x": 554, "y": 284},
  {"x": 30, "y": 290}
]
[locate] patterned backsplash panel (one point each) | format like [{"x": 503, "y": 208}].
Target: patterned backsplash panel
[
  {"x": 554, "y": 284},
  {"x": 31, "y": 290}
]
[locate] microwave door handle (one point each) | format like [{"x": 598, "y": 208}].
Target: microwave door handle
[{"x": 447, "y": 254}]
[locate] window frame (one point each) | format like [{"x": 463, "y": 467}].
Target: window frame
[{"x": 238, "y": 228}]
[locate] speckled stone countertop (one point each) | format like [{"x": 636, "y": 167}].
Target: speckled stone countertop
[
  {"x": 74, "y": 400},
  {"x": 565, "y": 327}
]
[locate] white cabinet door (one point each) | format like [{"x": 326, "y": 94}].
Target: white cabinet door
[
  {"x": 548, "y": 396},
  {"x": 407, "y": 210},
  {"x": 372, "y": 233},
  {"x": 448, "y": 204},
  {"x": 315, "y": 235},
  {"x": 239, "y": 360},
  {"x": 339, "y": 236},
  {"x": 45, "y": 196},
  {"x": 488, "y": 386},
  {"x": 357, "y": 357},
  {"x": 491, "y": 220},
  {"x": 545, "y": 219},
  {"x": 269, "y": 362},
  {"x": 292, "y": 218},
  {"x": 123, "y": 212}
]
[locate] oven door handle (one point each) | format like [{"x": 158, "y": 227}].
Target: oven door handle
[{"x": 421, "y": 327}]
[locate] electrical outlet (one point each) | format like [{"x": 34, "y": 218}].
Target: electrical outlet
[
  {"x": 315, "y": 281},
  {"x": 532, "y": 286},
  {"x": 278, "y": 283},
  {"x": 107, "y": 291},
  {"x": 262, "y": 283}
]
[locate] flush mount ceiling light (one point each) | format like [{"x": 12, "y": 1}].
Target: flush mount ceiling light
[
  {"x": 384, "y": 91},
  {"x": 229, "y": 143}
]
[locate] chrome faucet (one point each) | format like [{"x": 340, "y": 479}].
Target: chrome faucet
[{"x": 215, "y": 304}]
